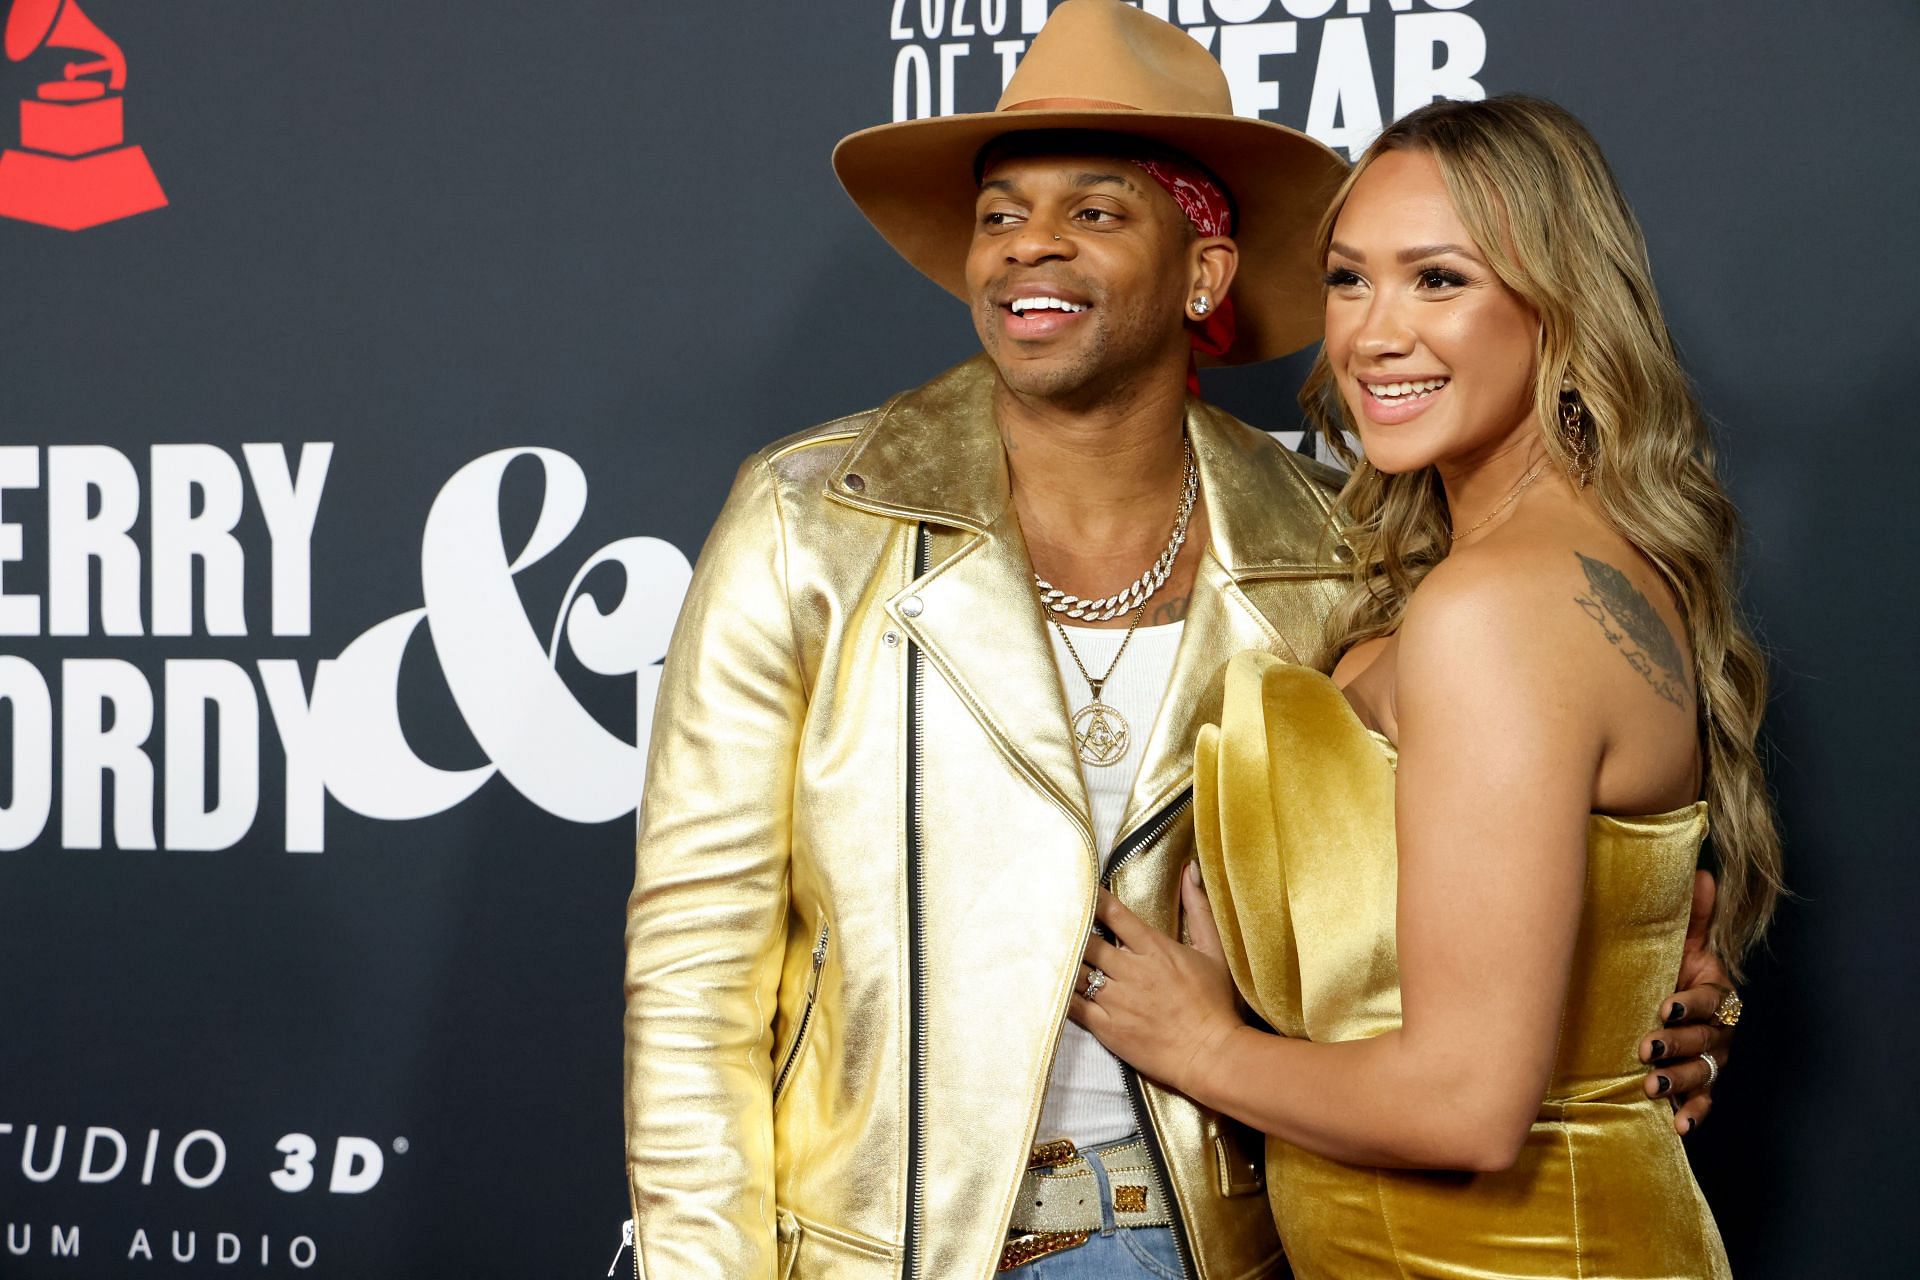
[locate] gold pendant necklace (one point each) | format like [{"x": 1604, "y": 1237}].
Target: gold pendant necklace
[{"x": 1100, "y": 732}]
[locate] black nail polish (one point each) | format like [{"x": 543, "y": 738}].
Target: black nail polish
[
  {"x": 1692, "y": 1123},
  {"x": 1676, "y": 1011},
  {"x": 1666, "y": 1085},
  {"x": 1659, "y": 1049}
]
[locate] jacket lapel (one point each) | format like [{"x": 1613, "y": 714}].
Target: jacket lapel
[
  {"x": 1270, "y": 572},
  {"x": 1220, "y": 623},
  {"x": 1269, "y": 576},
  {"x": 975, "y": 617},
  {"x": 935, "y": 455}
]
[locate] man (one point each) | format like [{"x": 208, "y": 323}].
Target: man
[{"x": 883, "y": 791}]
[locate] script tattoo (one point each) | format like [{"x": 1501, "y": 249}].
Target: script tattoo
[
  {"x": 1173, "y": 610},
  {"x": 1630, "y": 625}
]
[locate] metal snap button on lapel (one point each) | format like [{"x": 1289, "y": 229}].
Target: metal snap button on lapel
[
  {"x": 891, "y": 639},
  {"x": 1342, "y": 552},
  {"x": 854, "y": 481},
  {"x": 911, "y": 607}
]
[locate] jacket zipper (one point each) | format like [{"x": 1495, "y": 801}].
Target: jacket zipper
[
  {"x": 806, "y": 1014},
  {"x": 916, "y": 918},
  {"x": 1144, "y": 838},
  {"x": 626, "y": 1243}
]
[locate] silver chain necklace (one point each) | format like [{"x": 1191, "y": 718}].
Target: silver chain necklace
[
  {"x": 1100, "y": 732},
  {"x": 1142, "y": 588}
]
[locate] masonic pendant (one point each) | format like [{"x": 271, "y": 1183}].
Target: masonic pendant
[{"x": 1100, "y": 733}]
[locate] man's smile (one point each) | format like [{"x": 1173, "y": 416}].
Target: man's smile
[
  {"x": 1032, "y": 312},
  {"x": 1041, "y": 302}
]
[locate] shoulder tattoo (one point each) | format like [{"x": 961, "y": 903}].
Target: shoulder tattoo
[{"x": 1629, "y": 622}]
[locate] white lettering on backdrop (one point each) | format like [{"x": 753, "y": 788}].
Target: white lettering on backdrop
[
  {"x": 345, "y": 739},
  {"x": 1432, "y": 50}
]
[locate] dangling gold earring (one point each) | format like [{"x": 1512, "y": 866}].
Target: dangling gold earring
[
  {"x": 1201, "y": 306},
  {"x": 1573, "y": 432}
]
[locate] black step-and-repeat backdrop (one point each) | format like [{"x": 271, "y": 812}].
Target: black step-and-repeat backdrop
[{"x": 369, "y": 375}]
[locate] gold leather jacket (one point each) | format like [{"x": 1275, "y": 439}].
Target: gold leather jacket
[{"x": 866, "y": 867}]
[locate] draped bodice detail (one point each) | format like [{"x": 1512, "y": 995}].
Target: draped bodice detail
[{"x": 1295, "y": 829}]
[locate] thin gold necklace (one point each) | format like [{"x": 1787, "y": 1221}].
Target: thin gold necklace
[
  {"x": 1538, "y": 468},
  {"x": 1100, "y": 733}
]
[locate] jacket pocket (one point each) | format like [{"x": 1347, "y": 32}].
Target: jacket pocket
[
  {"x": 811, "y": 1250},
  {"x": 791, "y": 1058},
  {"x": 787, "y": 1233},
  {"x": 1239, "y": 1157}
]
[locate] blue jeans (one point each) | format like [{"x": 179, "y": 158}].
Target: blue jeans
[{"x": 1117, "y": 1253}]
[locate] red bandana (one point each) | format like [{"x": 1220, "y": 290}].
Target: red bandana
[{"x": 1211, "y": 214}]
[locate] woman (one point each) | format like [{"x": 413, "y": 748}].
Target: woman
[{"x": 1542, "y": 640}]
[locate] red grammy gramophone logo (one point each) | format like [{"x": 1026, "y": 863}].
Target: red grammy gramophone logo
[{"x": 72, "y": 169}]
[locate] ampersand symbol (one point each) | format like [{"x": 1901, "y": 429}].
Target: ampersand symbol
[{"x": 502, "y": 675}]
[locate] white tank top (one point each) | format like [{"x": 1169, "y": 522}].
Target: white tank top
[{"x": 1087, "y": 1095}]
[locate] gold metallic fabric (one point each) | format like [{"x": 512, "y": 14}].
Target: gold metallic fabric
[
  {"x": 1295, "y": 817},
  {"x": 776, "y": 815}
]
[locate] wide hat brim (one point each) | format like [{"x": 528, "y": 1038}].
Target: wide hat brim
[{"x": 915, "y": 182}]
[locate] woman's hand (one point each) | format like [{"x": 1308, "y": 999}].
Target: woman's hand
[
  {"x": 1687, "y": 1024},
  {"x": 1166, "y": 1007}
]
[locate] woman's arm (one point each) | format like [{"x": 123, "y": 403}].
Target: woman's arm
[{"x": 1501, "y": 737}]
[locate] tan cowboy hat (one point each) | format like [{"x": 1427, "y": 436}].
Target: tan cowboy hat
[{"x": 1101, "y": 64}]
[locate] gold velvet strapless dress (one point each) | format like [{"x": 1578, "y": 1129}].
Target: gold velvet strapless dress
[{"x": 1295, "y": 828}]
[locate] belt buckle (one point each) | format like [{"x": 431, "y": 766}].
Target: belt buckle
[{"x": 1021, "y": 1250}]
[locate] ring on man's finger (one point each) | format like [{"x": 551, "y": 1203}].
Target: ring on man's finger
[
  {"x": 1727, "y": 1012},
  {"x": 1713, "y": 1068}
]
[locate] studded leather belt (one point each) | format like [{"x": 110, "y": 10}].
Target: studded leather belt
[{"x": 1059, "y": 1204}]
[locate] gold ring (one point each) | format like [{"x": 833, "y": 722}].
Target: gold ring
[{"x": 1727, "y": 1012}]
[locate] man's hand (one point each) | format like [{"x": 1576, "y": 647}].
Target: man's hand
[
  {"x": 1685, "y": 1025},
  {"x": 1165, "y": 1006}
]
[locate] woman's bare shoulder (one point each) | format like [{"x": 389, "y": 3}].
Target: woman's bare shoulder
[
  {"x": 1587, "y": 612},
  {"x": 1514, "y": 587}
]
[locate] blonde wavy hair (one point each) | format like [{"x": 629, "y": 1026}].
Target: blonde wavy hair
[{"x": 1531, "y": 185}]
